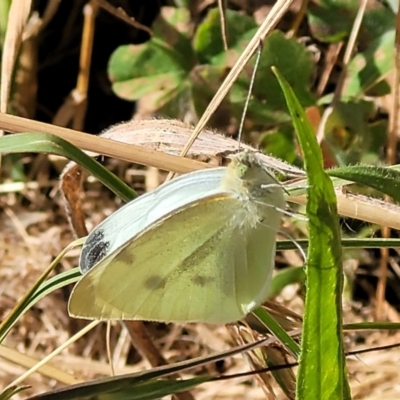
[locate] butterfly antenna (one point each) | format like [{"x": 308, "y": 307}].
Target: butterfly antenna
[
  {"x": 297, "y": 245},
  {"x": 246, "y": 104},
  {"x": 285, "y": 211},
  {"x": 293, "y": 240}
]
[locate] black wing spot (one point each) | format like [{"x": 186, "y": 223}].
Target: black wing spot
[
  {"x": 202, "y": 280},
  {"x": 94, "y": 250},
  {"x": 155, "y": 282}
]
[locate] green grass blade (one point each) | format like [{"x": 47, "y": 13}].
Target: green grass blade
[
  {"x": 28, "y": 300},
  {"x": 362, "y": 326},
  {"x": 46, "y": 143},
  {"x": 123, "y": 389},
  {"x": 386, "y": 180},
  {"x": 286, "y": 277},
  {"x": 12, "y": 391},
  {"x": 277, "y": 331},
  {"x": 56, "y": 282},
  {"x": 101, "y": 388},
  {"x": 322, "y": 371},
  {"x": 348, "y": 243}
]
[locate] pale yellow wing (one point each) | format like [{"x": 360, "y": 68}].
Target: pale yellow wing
[{"x": 202, "y": 263}]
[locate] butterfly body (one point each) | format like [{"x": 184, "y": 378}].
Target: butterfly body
[{"x": 200, "y": 248}]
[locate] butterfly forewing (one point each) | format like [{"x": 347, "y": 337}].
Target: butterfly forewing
[{"x": 127, "y": 222}]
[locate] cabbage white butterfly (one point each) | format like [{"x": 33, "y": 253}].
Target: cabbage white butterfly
[{"x": 200, "y": 248}]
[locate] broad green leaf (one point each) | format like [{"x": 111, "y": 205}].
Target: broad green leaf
[
  {"x": 205, "y": 80},
  {"x": 207, "y": 42},
  {"x": 347, "y": 130},
  {"x": 378, "y": 140},
  {"x": 351, "y": 135},
  {"x": 174, "y": 26},
  {"x": 332, "y": 20},
  {"x": 377, "y": 20},
  {"x": 137, "y": 70},
  {"x": 370, "y": 66},
  {"x": 269, "y": 107},
  {"x": 168, "y": 74},
  {"x": 280, "y": 144},
  {"x": 158, "y": 68},
  {"x": 322, "y": 371}
]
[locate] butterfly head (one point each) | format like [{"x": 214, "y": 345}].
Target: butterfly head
[{"x": 248, "y": 178}]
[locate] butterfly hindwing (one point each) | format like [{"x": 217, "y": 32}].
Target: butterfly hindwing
[{"x": 157, "y": 275}]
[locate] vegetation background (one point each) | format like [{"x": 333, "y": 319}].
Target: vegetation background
[{"x": 90, "y": 65}]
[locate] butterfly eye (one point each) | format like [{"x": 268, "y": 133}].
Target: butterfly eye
[{"x": 242, "y": 170}]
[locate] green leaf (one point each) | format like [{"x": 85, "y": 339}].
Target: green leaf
[
  {"x": 377, "y": 20},
  {"x": 322, "y": 371},
  {"x": 286, "y": 277},
  {"x": 207, "y": 42},
  {"x": 280, "y": 144},
  {"x": 332, "y": 20},
  {"x": 386, "y": 180},
  {"x": 137, "y": 70},
  {"x": 174, "y": 27},
  {"x": 166, "y": 69},
  {"x": 269, "y": 106},
  {"x": 370, "y": 66},
  {"x": 205, "y": 80},
  {"x": 159, "y": 68},
  {"x": 51, "y": 144},
  {"x": 347, "y": 130}
]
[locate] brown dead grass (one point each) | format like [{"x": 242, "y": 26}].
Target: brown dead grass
[{"x": 34, "y": 231}]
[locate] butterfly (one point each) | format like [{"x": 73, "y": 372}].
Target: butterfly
[{"x": 199, "y": 248}]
